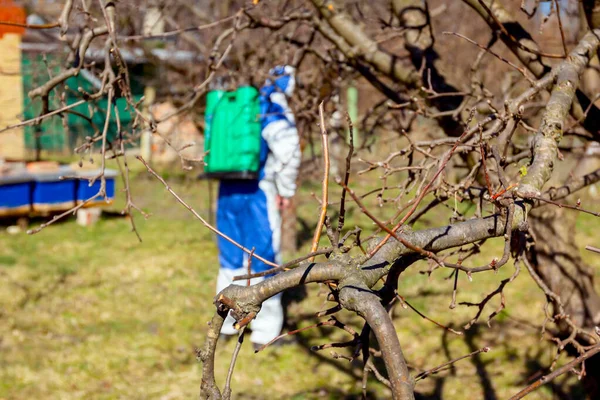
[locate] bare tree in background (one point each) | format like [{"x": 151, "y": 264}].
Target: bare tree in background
[{"x": 480, "y": 114}]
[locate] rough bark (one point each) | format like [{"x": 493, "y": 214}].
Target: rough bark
[
  {"x": 368, "y": 305},
  {"x": 208, "y": 387}
]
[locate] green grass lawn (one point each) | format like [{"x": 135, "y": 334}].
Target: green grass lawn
[{"x": 91, "y": 313}]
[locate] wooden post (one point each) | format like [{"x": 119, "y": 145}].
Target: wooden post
[
  {"x": 288, "y": 229},
  {"x": 352, "y": 104}
]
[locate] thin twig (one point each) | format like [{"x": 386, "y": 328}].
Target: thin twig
[
  {"x": 234, "y": 356},
  {"x": 178, "y": 31},
  {"x": 563, "y": 205},
  {"x": 204, "y": 222},
  {"x": 330, "y": 322},
  {"x": 565, "y": 368},
  {"x": 432, "y": 371},
  {"x": 38, "y": 119},
  {"x": 422, "y": 194},
  {"x": 389, "y": 231},
  {"x": 483, "y": 163},
  {"x": 370, "y": 366},
  {"x": 31, "y": 26},
  {"x": 245, "y": 321},
  {"x": 455, "y": 288},
  {"x": 126, "y": 181},
  {"x": 513, "y": 39},
  {"x": 102, "y": 190},
  {"x": 249, "y": 266},
  {"x": 498, "y": 291},
  {"x": 591, "y": 248},
  {"x": 60, "y": 216},
  {"x": 285, "y": 266},
  {"x": 325, "y": 199},
  {"x": 426, "y": 317},
  {"x": 560, "y": 27},
  {"x": 522, "y": 71},
  {"x": 342, "y": 216}
]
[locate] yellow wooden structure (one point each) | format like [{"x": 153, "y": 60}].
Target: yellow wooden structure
[{"x": 12, "y": 142}]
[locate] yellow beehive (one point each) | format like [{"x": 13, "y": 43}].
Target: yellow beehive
[{"x": 12, "y": 142}]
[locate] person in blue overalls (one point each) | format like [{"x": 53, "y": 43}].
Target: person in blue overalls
[{"x": 249, "y": 211}]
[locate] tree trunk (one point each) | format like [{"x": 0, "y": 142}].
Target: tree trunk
[
  {"x": 288, "y": 229},
  {"x": 557, "y": 260}
]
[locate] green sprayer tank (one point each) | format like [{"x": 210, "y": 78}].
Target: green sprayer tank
[{"x": 232, "y": 134}]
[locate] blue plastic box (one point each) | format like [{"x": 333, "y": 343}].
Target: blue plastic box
[
  {"x": 51, "y": 193},
  {"x": 85, "y": 191},
  {"x": 15, "y": 195},
  {"x": 46, "y": 192}
]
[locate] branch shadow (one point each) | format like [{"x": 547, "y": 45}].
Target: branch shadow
[
  {"x": 489, "y": 393},
  {"x": 305, "y": 233},
  {"x": 561, "y": 388}
]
